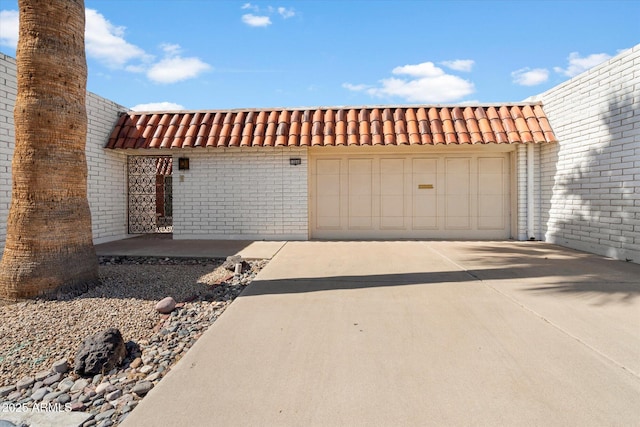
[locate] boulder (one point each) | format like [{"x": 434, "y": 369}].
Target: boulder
[
  {"x": 166, "y": 305},
  {"x": 100, "y": 353}
]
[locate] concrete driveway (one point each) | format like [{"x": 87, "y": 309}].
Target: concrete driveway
[{"x": 413, "y": 334}]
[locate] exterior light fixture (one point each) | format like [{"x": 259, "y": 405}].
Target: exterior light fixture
[{"x": 183, "y": 163}]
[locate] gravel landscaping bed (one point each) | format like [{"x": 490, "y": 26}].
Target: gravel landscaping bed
[{"x": 37, "y": 337}]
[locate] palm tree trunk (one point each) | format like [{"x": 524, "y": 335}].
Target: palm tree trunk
[{"x": 49, "y": 245}]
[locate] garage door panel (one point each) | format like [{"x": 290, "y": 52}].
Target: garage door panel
[
  {"x": 360, "y": 195},
  {"x": 491, "y": 189},
  {"x": 392, "y": 194},
  {"x": 457, "y": 194},
  {"x": 327, "y": 188},
  {"x": 424, "y": 191}
]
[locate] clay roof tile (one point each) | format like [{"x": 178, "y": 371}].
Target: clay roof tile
[
  {"x": 508, "y": 123},
  {"x": 247, "y": 130}
]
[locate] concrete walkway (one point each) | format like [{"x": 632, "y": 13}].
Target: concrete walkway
[
  {"x": 414, "y": 334},
  {"x": 162, "y": 245}
]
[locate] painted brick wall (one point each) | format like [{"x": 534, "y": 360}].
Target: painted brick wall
[
  {"x": 523, "y": 207},
  {"x": 107, "y": 179},
  {"x": 591, "y": 180},
  {"x": 241, "y": 194},
  {"x": 8, "y": 91},
  {"x": 107, "y": 169}
]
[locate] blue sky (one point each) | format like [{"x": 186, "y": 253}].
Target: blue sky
[{"x": 161, "y": 54}]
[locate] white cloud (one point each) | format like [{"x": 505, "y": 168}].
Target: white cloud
[
  {"x": 9, "y": 28},
  {"x": 355, "y": 88},
  {"x": 528, "y": 77},
  {"x": 105, "y": 42},
  {"x": 249, "y": 6},
  {"x": 427, "y": 83},
  {"x": 578, "y": 64},
  {"x": 459, "y": 64},
  {"x": 424, "y": 69},
  {"x": 255, "y": 20},
  {"x": 158, "y": 106},
  {"x": 286, "y": 13},
  {"x": 174, "y": 68}
]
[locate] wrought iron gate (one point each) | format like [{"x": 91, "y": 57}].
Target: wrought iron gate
[{"x": 150, "y": 194}]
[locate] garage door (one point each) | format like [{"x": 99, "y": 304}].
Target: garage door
[{"x": 449, "y": 196}]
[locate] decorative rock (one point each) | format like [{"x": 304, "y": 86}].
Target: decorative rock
[
  {"x": 154, "y": 376},
  {"x": 37, "y": 385},
  {"x": 52, "y": 379},
  {"x": 39, "y": 394},
  {"x": 61, "y": 366},
  {"x": 104, "y": 388},
  {"x": 65, "y": 385},
  {"x": 25, "y": 383},
  {"x": 105, "y": 407},
  {"x": 111, "y": 396},
  {"x": 166, "y": 305},
  {"x": 230, "y": 263},
  {"x": 40, "y": 376},
  {"x": 4, "y": 391},
  {"x": 51, "y": 395},
  {"x": 63, "y": 398},
  {"x": 100, "y": 353},
  {"x": 142, "y": 388},
  {"x": 79, "y": 385},
  {"x": 77, "y": 406},
  {"x": 122, "y": 387},
  {"x": 14, "y": 395},
  {"x": 146, "y": 369}
]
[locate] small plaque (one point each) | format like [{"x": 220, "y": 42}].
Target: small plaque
[{"x": 425, "y": 186}]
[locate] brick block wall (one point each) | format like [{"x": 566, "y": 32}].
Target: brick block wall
[
  {"x": 106, "y": 169},
  {"x": 107, "y": 179},
  {"x": 241, "y": 194},
  {"x": 590, "y": 181},
  {"x": 8, "y": 92}
]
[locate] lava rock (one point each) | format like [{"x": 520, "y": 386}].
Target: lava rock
[{"x": 100, "y": 353}]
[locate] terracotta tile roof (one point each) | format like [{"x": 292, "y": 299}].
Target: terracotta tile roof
[{"x": 340, "y": 126}]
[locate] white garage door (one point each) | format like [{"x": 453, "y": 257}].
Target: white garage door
[{"x": 448, "y": 196}]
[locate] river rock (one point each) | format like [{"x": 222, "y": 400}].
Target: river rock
[{"x": 166, "y": 305}]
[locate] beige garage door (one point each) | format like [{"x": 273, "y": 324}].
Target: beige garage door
[{"x": 449, "y": 196}]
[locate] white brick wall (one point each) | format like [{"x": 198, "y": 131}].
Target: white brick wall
[
  {"x": 107, "y": 179},
  {"x": 591, "y": 179},
  {"x": 107, "y": 169},
  {"x": 8, "y": 91},
  {"x": 241, "y": 194}
]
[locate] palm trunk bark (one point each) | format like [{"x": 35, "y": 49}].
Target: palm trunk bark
[{"x": 49, "y": 245}]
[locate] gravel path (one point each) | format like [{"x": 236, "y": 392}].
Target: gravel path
[{"x": 35, "y": 334}]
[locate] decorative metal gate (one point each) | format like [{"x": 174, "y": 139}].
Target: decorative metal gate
[{"x": 150, "y": 194}]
